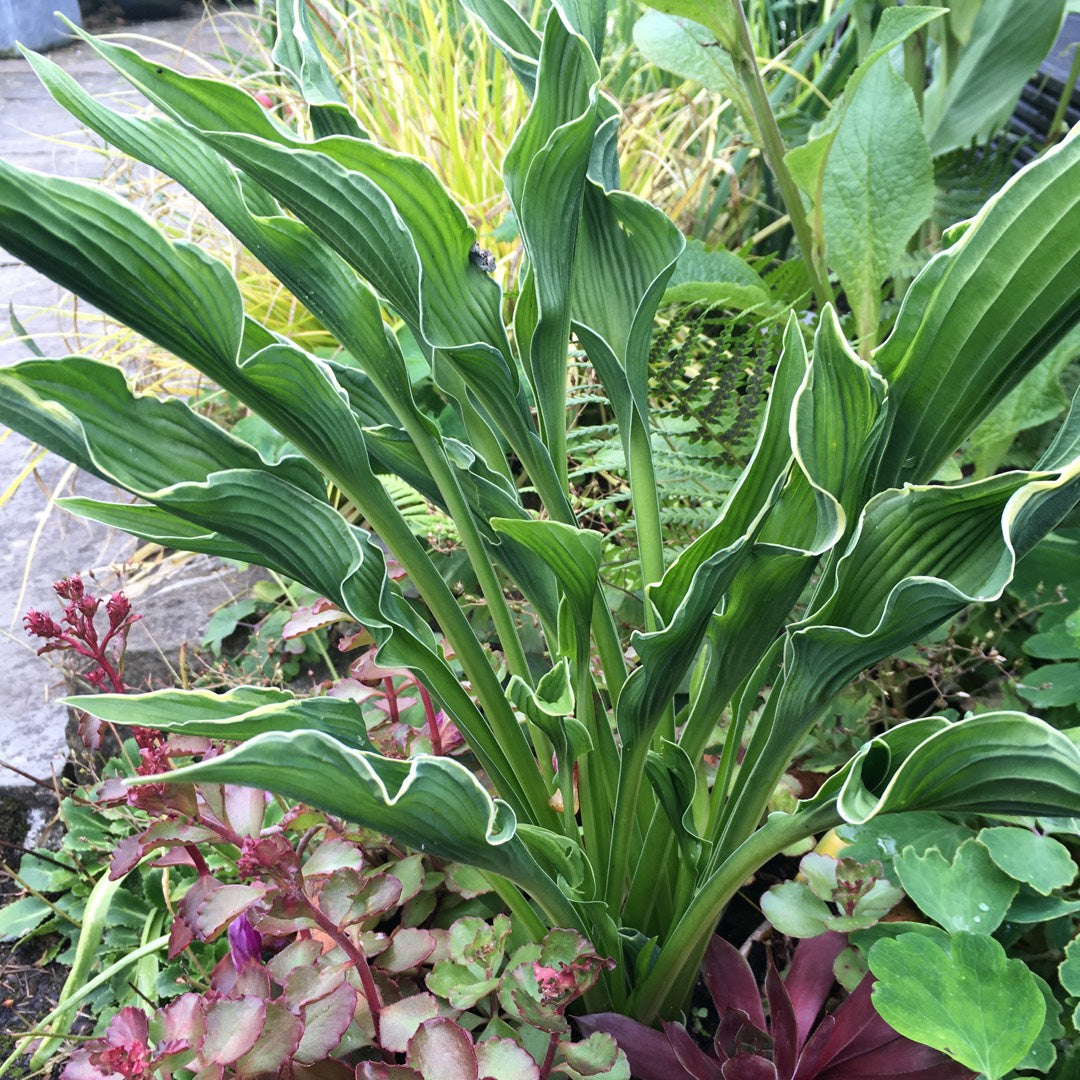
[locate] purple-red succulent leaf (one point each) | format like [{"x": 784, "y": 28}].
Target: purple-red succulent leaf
[
  {"x": 505, "y": 1059},
  {"x": 400, "y": 1020},
  {"x": 245, "y": 809},
  {"x": 376, "y": 1070},
  {"x": 442, "y": 1050},
  {"x": 409, "y": 948},
  {"x": 694, "y": 1061},
  {"x": 649, "y": 1052},
  {"x": 277, "y": 1042},
  {"x": 810, "y": 978},
  {"x": 736, "y": 1035},
  {"x": 333, "y": 854},
  {"x": 325, "y": 1022},
  {"x": 782, "y": 1025},
  {"x": 749, "y": 1067},
  {"x": 731, "y": 982},
  {"x": 312, "y": 617},
  {"x": 182, "y": 1023},
  {"x": 596, "y": 1058},
  {"x": 220, "y": 906},
  {"x": 232, "y": 1028}
]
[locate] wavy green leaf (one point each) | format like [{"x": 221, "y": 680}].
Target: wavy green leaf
[
  {"x": 241, "y": 713},
  {"x": 981, "y": 315}
]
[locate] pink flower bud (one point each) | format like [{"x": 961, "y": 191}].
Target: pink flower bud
[{"x": 38, "y": 624}]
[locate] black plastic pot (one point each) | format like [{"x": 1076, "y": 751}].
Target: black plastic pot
[{"x": 149, "y": 9}]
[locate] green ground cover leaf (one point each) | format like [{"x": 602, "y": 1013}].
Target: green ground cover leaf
[
  {"x": 968, "y": 894},
  {"x": 969, "y": 1001},
  {"x": 1039, "y": 861}
]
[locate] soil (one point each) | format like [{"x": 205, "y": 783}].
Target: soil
[{"x": 28, "y": 988}]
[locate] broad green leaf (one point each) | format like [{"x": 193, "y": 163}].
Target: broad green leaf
[
  {"x": 794, "y": 910},
  {"x": 1053, "y": 685},
  {"x": 877, "y": 188},
  {"x": 886, "y": 835},
  {"x": 970, "y": 1002},
  {"x": 398, "y": 798},
  {"x": 1006, "y": 43},
  {"x": 1038, "y": 861},
  {"x": 20, "y": 917},
  {"x": 970, "y": 893},
  {"x": 717, "y": 277},
  {"x": 688, "y": 49},
  {"x": 297, "y": 54},
  {"x": 236, "y": 714},
  {"x": 981, "y": 315},
  {"x": 809, "y": 161},
  {"x": 718, "y": 18}
]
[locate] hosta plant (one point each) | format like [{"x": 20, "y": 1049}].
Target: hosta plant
[{"x": 836, "y": 518}]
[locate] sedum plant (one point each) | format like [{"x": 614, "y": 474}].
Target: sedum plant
[{"x": 591, "y": 809}]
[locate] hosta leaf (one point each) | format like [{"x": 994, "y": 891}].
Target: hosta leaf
[
  {"x": 160, "y": 527},
  {"x": 513, "y": 36},
  {"x": 982, "y": 314},
  {"x": 283, "y": 244},
  {"x": 236, "y": 714},
  {"x": 572, "y": 554},
  {"x": 971, "y": 1002},
  {"x": 297, "y": 54},
  {"x": 84, "y": 410},
  {"x": 90, "y": 242},
  {"x": 545, "y": 171},
  {"x": 996, "y": 763},
  {"x": 398, "y": 798}
]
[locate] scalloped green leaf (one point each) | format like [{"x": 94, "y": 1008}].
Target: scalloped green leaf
[
  {"x": 969, "y": 893},
  {"x": 1041, "y": 862},
  {"x": 970, "y": 1001}
]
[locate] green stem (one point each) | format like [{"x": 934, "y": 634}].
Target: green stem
[
  {"x": 631, "y": 770},
  {"x": 665, "y": 988},
  {"x": 744, "y": 58},
  {"x": 650, "y": 536}
]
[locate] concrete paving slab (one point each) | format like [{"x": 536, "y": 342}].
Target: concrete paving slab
[{"x": 39, "y": 543}]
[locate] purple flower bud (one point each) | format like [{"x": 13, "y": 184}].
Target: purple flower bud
[{"x": 245, "y": 942}]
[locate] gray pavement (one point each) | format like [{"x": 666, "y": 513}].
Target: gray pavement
[{"x": 40, "y": 543}]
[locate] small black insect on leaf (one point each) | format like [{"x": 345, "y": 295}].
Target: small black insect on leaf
[{"x": 482, "y": 259}]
